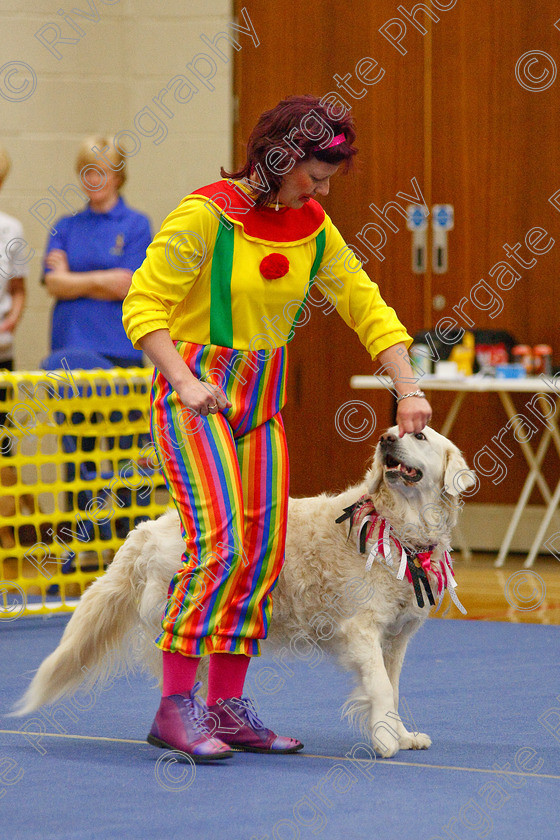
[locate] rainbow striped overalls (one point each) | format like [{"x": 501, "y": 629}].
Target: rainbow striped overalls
[{"x": 228, "y": 474}]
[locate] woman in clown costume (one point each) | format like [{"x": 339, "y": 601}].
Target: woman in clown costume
[{"x": 214, "y": 306}]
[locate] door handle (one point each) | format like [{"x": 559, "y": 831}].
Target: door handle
[
  {"x": 416, "y": 221},
  {"x": 442, "y": 221}
]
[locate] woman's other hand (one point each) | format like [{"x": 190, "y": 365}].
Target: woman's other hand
[
  {"x": 200, "y": 397},
  {"x": 203, "y": 397}
]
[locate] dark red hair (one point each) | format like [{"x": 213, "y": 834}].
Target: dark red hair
[{"x": 297, "y": 129}]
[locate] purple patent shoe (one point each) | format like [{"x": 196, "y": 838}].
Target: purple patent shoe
[
  {"x": 179, "y": 725},
  {"x": 240, "y": 727}
]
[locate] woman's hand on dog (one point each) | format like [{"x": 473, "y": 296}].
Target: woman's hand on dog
[{"x": 413, "y": 413}]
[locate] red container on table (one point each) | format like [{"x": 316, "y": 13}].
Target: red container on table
[
  {"x": 522, "y": 354},
  {"x": 542, "y": 359}
]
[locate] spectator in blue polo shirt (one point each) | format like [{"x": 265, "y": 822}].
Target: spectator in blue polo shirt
[
  {"x": 91, "y": 257},
  {"x": 89, "y": 263}
]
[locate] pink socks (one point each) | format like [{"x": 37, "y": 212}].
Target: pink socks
[
  {"x": 179, "y": 673},
  {"x": 226, "y": 676}
]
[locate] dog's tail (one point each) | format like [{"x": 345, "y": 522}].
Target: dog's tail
[{"x": 94, "y": 644}]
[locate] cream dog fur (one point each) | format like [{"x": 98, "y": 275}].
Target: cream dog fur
[{"x": 325, "y": 594}]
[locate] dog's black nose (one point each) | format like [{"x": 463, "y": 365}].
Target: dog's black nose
[{"x": 387, "y": 438}]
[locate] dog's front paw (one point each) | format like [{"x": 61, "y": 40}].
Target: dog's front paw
[
  {"x": 388, "y": 751},
  {"x": 385, "y": 743},
  {"x": 415, "y": 741}
]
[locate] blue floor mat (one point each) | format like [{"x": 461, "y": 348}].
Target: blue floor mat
[{"x": 487, "y": 694}]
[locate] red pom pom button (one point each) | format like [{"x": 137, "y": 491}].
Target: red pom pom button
[{"x": 274, "y": 266}]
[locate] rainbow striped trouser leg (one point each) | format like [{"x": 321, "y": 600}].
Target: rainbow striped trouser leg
[{"x": 228, "y": 476}]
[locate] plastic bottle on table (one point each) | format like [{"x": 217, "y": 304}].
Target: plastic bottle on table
[{"x": 464, "y": 354}]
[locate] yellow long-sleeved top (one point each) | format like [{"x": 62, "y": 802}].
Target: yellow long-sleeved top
[{"x": 221, "y": 271}]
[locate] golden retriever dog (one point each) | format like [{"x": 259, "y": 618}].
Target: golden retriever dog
[{"x": 361, "y": 572}]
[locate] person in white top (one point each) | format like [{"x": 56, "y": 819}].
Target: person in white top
[
  {"x": 14, "y": 256},
  {"x": 13, "y": 273}
]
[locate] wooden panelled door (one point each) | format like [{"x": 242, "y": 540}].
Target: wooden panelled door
[
  {"x": 496, "y": 158},
  {"x": 452, "y": 105}
]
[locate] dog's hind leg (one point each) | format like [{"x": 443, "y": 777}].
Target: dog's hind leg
[{"x": 393, "y": 655}]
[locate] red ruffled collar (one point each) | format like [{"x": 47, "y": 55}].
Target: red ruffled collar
[{"x": 286, "y": 225}]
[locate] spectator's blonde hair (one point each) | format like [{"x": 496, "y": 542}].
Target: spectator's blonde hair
[
  {"x": 5, "y": 163},
  {"x": 86, "y": 156}
]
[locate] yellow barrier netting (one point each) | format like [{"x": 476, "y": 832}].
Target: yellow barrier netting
[{"x": 77, "y": 472}]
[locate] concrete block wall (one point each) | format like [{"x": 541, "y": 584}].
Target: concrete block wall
[{"x": 96, "y": 66}]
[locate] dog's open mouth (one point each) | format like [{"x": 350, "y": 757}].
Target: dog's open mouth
[{"x": 397, "y": 470}]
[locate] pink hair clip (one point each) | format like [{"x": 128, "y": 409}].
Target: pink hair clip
[{"x": 336, "y": 141}]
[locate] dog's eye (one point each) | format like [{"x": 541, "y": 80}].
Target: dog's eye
[{"x": 420, "y": 436}]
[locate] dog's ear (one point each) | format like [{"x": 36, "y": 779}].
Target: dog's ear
[{"x": 457, "y": 476}]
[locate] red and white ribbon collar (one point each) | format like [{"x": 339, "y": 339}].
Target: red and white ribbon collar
[{"x": 364, "y": 516}]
